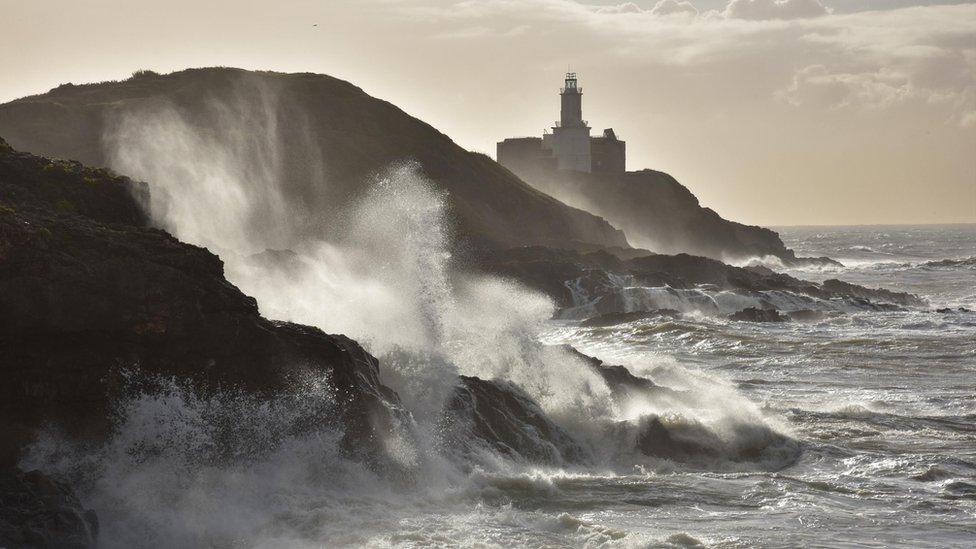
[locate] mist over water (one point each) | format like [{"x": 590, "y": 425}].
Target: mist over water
[{"x": 235, "y": 470}]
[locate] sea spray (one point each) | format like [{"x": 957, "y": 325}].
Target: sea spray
[{"x": 382, "y": 273}]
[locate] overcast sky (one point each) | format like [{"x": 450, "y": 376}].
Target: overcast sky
[{"x": 772, "y": 111}]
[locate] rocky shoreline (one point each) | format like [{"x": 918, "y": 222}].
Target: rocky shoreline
[
  {"x": 92, "y": 297},
  {"x": 585, "y": 285}
]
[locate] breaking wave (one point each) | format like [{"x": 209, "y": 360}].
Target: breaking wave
[{"x": 463, "y": 352}]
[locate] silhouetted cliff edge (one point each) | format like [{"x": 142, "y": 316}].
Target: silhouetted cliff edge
[
  {"x": 657, "y": 212},
  {"x": 331, "y": 140}
]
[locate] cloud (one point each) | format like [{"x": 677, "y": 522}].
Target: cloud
[
  {"x": 627, "y": 7},
  {"x": 761, "y": 10},
  {"x": 753, "y": 94},
  {"x": 818, "y": 86},
  {"x": 674, "y": 7}
]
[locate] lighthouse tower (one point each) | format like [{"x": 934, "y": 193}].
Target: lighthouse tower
[
  {"x": 568, "y": 146},
  {"x": 570, "y": 138}
]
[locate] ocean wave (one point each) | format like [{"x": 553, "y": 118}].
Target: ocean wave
[
  {"x": 967, "y": 263},
  {"x": 956, "y": 424}
]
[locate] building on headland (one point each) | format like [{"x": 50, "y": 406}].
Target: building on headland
[{"x": 569, "y": 146}]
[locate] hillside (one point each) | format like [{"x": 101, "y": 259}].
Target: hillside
[
  {"x": 325, "y": 139},
  {"x": 88, "y": 290},
  {"x": 658, "y": 213}
]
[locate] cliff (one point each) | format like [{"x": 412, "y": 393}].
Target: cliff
[
  {"x": 330, "y": 139},
  {"x": 88, "y": 291},
  {"x": 658, "y": 213},
  {"x": 91, "y": 297}
]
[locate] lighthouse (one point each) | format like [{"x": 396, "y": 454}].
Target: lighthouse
[
  {"x": 570, "y": 137},
  {"x": 568, "y": 147}
]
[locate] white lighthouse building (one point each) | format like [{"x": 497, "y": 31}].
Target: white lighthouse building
[
  {"x": 568, "y": 147},
  {"x": 570, "y": 137}
]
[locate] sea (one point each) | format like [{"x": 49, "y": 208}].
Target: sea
[
  {"x": 883, "y": 405},
  {"x": 873, "y": 411}
]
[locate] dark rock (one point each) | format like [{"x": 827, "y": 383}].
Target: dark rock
[
  {"x": 752, "y": 314},
  {"x": 36, "y": 511},
  {"x": 878, "y": 296},
  {"x": 658, "y": 213},
  {"x": 952, "y": 263},
  {"x": 687, "y": 440},
  {"x": 501, "y": 416},
  {"x": 598, "y": 278},
  {"x": 622, "y": 383},
  {"x": 88, "y": 290}
]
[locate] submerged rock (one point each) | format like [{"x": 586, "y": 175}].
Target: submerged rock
[
  {"x": 752, "y": 314},
  {"x": 950, "y": 310},
  {"x": 36, "y": 511},
  {"x": 969, "y": 262}
]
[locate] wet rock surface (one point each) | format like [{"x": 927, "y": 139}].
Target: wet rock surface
[
  {"x": 503, "y": 417},
  {"x": 620, "y": 380},
  {"x": 88, "y": 290},
  {"x": 601, "y": 278},
  {"x": 36, "y": 511},
  {"x": 691, "y": 441}
]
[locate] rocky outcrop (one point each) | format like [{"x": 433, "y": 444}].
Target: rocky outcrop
[
  {"x": 968, "y": 263},
  {"x": 660, "y": 214},
  {"x": 879, "y": 296},
  {"x": 36, "y": 511},
  {"x": 329, "y": 140},
  {"x": 690, "y": 441},
  {"x": 500, "y": 416},
  {"x": 603, "y": 280},
  {"x": 88, "y": 291},
  {"x": 622, "y": 383},
  {"x": 677, "y": 438}
]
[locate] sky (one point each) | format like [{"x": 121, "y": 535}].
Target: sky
[{"x": 773, "y": 112}]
